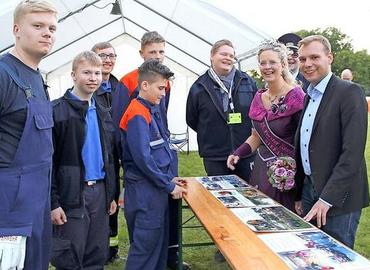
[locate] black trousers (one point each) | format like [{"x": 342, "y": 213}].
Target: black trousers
[
  {"x": 113, "y": 219},
  {"x": 81, "y": 243},
  {"x": 219, "y": 167},
  {"x": 173, "y": 240},
  {"x": 113, "y": 234}
]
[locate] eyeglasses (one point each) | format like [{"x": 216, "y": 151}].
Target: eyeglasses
[
  {"x": 111, "y": 56},
  {"x": 293, "y": 53},
  {"x": 270, "y": 63},
  {"x": 280, "y": 106}
]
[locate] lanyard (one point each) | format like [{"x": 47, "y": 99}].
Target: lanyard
[{"x": 223, "y": 87}]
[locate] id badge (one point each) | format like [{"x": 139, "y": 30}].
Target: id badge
[{"x": 234, "y": 118}]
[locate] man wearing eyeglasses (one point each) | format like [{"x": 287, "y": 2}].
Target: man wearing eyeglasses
[
  {"x": 103, "y": 96},
  {"x": 108, "y": 55},
  {"x": 291, "y": 40}
]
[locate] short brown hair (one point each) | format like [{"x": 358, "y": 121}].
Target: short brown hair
[
  {"x": 151, "y": 37},
  {"x": 323, "y": 40},
  {"x": 221, "y": 43},
  {"x": 86, "y": 56},
  {"x": 32, "y": 6},
  {"x": 151, "y": 69},
  {"x": 101, "y": 46}
]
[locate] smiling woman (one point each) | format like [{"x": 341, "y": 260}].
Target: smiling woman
[
  {"x": 217, "y": 109},
  {"x": 222, "y": 57},
  {"x": 274, "y": 113}
]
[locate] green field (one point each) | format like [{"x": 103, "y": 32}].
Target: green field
[{"x": 202, "y": 257}]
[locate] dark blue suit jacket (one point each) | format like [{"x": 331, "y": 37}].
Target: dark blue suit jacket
[{"x": 336, "y": 148}]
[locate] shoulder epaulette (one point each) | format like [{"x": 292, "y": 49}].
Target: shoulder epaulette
[
  {"x": 130, "y": 80},
  {"x": 135, "y": 109}
]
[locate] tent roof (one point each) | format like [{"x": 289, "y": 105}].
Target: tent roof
[{"x": 190, "y": 27}]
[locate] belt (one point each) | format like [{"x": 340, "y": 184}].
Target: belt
[{"x": 90, "y": 183}]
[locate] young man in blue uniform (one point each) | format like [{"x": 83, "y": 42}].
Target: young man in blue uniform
[
  {"x": 83, "y": 180},
  {"x": 26, "y": 143},
  {"x": 149, "y": 175},
  {"x": 152, "y": 47},
  {"x": 104, "y": 95}
]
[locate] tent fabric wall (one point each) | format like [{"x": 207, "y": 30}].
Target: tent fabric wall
[{"x": 190, "y": 27}]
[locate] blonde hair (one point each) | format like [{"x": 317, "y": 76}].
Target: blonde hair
[
  {"x": 323, "y": 40},
  {"x": 32, "y": 6},
  {"x": 282, "y": 51},
  {"x": 86, "y": 56},
  {"x": 221, "y": 43}
]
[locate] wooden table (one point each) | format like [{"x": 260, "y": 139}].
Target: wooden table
[{"x": 240, "y": 246}]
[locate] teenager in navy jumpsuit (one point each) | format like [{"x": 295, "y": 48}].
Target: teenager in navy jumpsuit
[
  {"x": 149, "y": 176},
  {"x": 25, "y": 132},
  {"x": 147, "y": 187},
  {"x": 25, "y": 184}
]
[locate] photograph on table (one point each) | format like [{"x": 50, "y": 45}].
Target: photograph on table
[
  {"x": 256, "y": 197},
  {"x": 242, "y": 198},
  {"x": 271, "y": 219},
  {"x": 222, "y": 182},
  {"x": 313, "y": 250}
]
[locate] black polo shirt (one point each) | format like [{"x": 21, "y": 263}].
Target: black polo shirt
[{"x": 13, "y": 105}]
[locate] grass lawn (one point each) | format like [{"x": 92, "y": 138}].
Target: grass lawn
[
  {"x": 202, "y": 257},
  {"x": 362, "y": 244}
]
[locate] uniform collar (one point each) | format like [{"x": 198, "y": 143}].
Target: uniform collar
[{"x": 153, "y": 108}]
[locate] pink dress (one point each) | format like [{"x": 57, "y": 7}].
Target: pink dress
[{"x": 272, "y": 128}]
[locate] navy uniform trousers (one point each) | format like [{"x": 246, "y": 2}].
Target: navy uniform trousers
[
  {"x": 146, "y": 195},
  {"x": 148, "y": 229}
]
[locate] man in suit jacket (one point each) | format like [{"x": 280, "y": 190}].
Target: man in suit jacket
[{"x": 330, "y": 142}]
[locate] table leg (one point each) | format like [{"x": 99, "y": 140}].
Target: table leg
[{"x": 180, "y": 259}]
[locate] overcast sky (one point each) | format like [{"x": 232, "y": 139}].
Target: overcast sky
[{"x": 277, "y": 17}]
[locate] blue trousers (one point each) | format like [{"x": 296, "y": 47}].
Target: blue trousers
[
  {"x": 146, "y": 213},
  {"x": 341, "y": 227}
]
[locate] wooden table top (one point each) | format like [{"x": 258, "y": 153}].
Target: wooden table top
[{"x": 239, "y": 244}]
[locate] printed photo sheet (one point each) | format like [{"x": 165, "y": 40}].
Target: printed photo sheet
[
  {"x": 248, "y": 197},
  {"x": 270, "y": 219},
  {"x": 222, "y": 182},
  {"x": 312, "y": 250}
]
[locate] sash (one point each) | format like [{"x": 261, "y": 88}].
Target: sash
[{"x": 276, "y": 145}]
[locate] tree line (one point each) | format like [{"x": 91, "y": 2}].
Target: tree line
[{"x": 344, "y": 57}]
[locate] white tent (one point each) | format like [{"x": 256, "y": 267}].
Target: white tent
[{"x": 190, "y": 27}]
